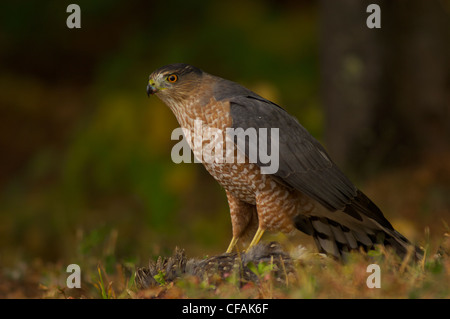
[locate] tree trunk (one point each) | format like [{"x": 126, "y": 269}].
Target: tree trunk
[{"x": 385, "y": 91}]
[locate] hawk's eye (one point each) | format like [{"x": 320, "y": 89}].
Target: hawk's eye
[{"x": 172, "y": 78}]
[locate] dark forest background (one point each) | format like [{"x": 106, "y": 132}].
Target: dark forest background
[{"x": 85, "y": 162}]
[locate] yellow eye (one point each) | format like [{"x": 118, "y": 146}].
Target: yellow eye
[{"x": 172, "y": 78}]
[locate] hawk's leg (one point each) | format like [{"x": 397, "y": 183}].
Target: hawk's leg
[
  {"x": 244, "y": 220},
  {"x": 256, "y": 238},
  {"x": 276, "y": 207},
  {"x": 233, "y": 243}
]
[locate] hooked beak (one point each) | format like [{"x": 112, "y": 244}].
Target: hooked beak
[{"x": 151, "y": 88}]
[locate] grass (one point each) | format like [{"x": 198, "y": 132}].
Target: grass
[
  {"x": 321, "y": 277},
  {"x": 316, "y": 277}
]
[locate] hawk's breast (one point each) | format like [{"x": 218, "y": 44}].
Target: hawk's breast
[
  {"x": 206, "y": 127},
  {"x": 240, "y": 179}
]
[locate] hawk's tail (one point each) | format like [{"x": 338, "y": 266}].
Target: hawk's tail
[{"x": 338, "y": 233}]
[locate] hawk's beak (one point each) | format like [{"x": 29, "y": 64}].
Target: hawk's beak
[{"x": 151, "y": 88}]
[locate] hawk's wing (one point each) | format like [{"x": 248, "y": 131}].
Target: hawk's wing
[{"x": 303, "y": 162}]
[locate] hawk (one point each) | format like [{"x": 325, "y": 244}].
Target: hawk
[{"x": 307, "y": 192}]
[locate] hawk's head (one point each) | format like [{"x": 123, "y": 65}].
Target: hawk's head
[{"x": 174, "y": 81}]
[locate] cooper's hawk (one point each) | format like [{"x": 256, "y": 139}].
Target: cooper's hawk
[{"x": 307, "y": 192}]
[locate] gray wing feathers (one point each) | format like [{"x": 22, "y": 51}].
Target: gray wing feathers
[{"x": 303, "y": 162}]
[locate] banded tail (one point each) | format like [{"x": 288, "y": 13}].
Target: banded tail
[{"x": 360, "y": 224}]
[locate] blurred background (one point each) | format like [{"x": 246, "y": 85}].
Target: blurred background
[{"x": 85, "y": 165}]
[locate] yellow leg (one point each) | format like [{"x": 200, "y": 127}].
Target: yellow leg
[
  {"x": 256, "y": 238},
  {"x": 233, "y": 243}
]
